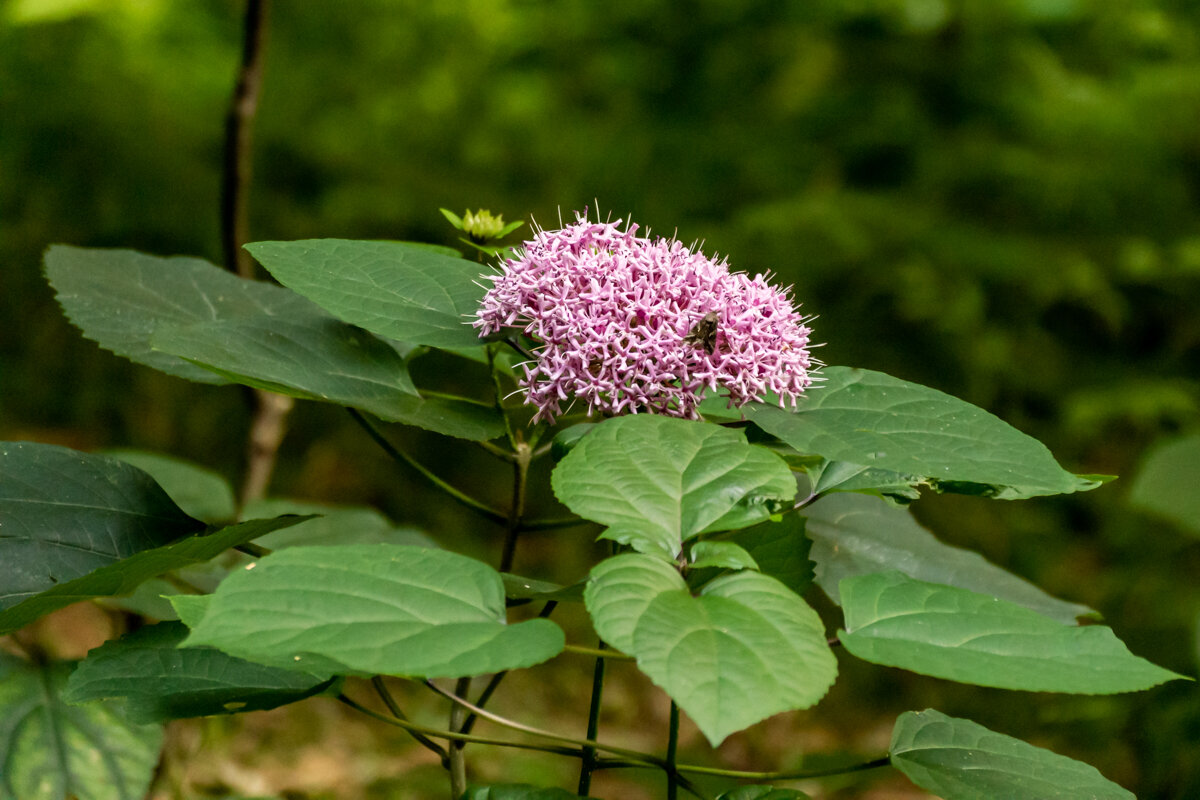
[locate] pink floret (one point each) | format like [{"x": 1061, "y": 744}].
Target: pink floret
[{"x": 612, "y": 313}]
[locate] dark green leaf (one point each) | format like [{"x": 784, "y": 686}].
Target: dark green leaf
[
  {"x": 960, "y": 760},
  {"x": 856, "y": 535},
  {"x": 974, "y": 638},
  {"x": 121, "y": 577},
  {"x": 199, "y": 491},
  {"x": 160, "y": 681},
  {"x": 780, "y": 549},
  {"x": 763, "y": 793},
  {"x": 118, "y": 298},
  {"x": 335, "y": 525},
  {"x": 392, "y": 289},
  {"x": 373, "y": 609},
  {"x": 868, "y": 418},
  {"x": 64, "y": 514},
  {"x": 1168, "y": 483},
  {"x": 746, "y": 648},
  {"x": 658, "y": 481},
  {"x": 51, "y": 751}
]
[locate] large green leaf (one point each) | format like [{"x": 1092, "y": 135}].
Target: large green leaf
[
  {"x": 868, "y": 418},
  {"x": 121, "y": 577},
  {"x": 975, "y": 638},
  {"x": 118, "y": 298},
  {"x": 386, "y": 609},
  {"x": 961, "y": 760},
  {"x": 199, "y": 491},
  {"x": 1168, "y": 483},
  {"x": 159, "y": 681},
  {"x": 858, "y": 535},
  {"x": 393, "y": 289},
  {"x": 64, "y": 513},
  {"x": 52, "y": 751},
  {"x": 746, "y": 648},
  {"x": 312, "y": 356},
  {"x": 658, "y": 481}
]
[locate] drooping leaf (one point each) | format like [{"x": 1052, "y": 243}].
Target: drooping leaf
[
  {"x": 957, "y": 759},
  {"x": 121, "y": 577},
  {"x": 658, "y": 481},
  {"x": 51, "y": 751},
  {"x": 335, "y": 525},
  {"x": 118, "y": 298},
  {"x": 519, "y": 791},
  {"x": 64, "y": 514},
  {"x": 746, "y": 648},
  {"x": 968, "y": 637},
  {"x": 1168, "y": 483},
  {"x": 160, "y": 681},
  {"x": 763, "y": 793},
  {"x": 721, "y": 555},
  {"x": 856, "y": 535},
  {"x": 519, "y": 588},
  {"x": 868, "y": 418},
  {"x": 828, "y": 477},
  {"x": 373, "y": 609},
  {"x": 780, "y": 548},
  {"x": 199, "y": 491},
  {"x": 390, "y": 288}
]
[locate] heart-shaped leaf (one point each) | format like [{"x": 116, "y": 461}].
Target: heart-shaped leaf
[
  {"x": 396, "y": 290},
  {"x": 118, "y": 298},
  {"x": 963, "y": 636},
  {"x": 746, "y": 648},
  {"x": 658, "y": 481},
  {"x": 874, "y": 420},
  {"x": 858, "y": 535},
  {"x": 160, "y": 681},
  {"x": 50, "y": 750},
  {"x": 961, "y": 760},
  {"x": 371, "y": 609}
]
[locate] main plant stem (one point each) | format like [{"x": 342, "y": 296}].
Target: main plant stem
[
  {"x": 588, "y": 763},
  {"x": 672, "y": 746},
  {"x": 458, "y": 760}
]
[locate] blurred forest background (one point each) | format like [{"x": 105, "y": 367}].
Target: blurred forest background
[{"x": 996, "y": 198}]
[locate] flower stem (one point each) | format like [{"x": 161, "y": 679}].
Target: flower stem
[
  {"x": 588, "y": 764},
  {"x": 458, "y": 760},
  {"x": 672, "y": 747},
  {"x": 399, "y": 455}
]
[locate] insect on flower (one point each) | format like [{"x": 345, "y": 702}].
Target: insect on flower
[{"x": 704, "y": 333}]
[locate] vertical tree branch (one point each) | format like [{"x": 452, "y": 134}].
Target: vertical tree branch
[{"x": 270, "y": 410}]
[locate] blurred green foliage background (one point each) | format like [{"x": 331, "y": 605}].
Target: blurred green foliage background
[{"x": 997, "y": 198}]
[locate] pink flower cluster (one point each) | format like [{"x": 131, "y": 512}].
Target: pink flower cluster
[{"x": 625, "y": 324}]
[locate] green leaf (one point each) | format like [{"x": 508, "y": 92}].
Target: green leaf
[
  {"x": 519, "y": 791},
  {"x": 392, "y": 289},
  {"x": 828, "y": 477},
  {"x": 721, "y": 555},
  {"x": 763, "y": 793},
  {"x": 311, "y": 356},
  {"x": 658, "y": 481},
  {"x": 64, "y": 513},
  {"x": 519, "y": 588},
  {"x": 961, "y": 760},
  {"x": 780, "y": 548},
  {"x": 160, "y": 681},
  {"x": 857, "y": 535},
  {"x": 373, "y": 609},
  {"x": 121, "y": 577},
  {"x": 199, "y": 491},
  {"x": 118, "y": 298},
  {"x": 336, "y": 525},
  {"x": 868, "y": 418},
  {"x": 975, "y": 638},
  {"x": 1168, "y": 483},
  {"x": 746, "y": 648},
  {"x": 51, "y": 751}
]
